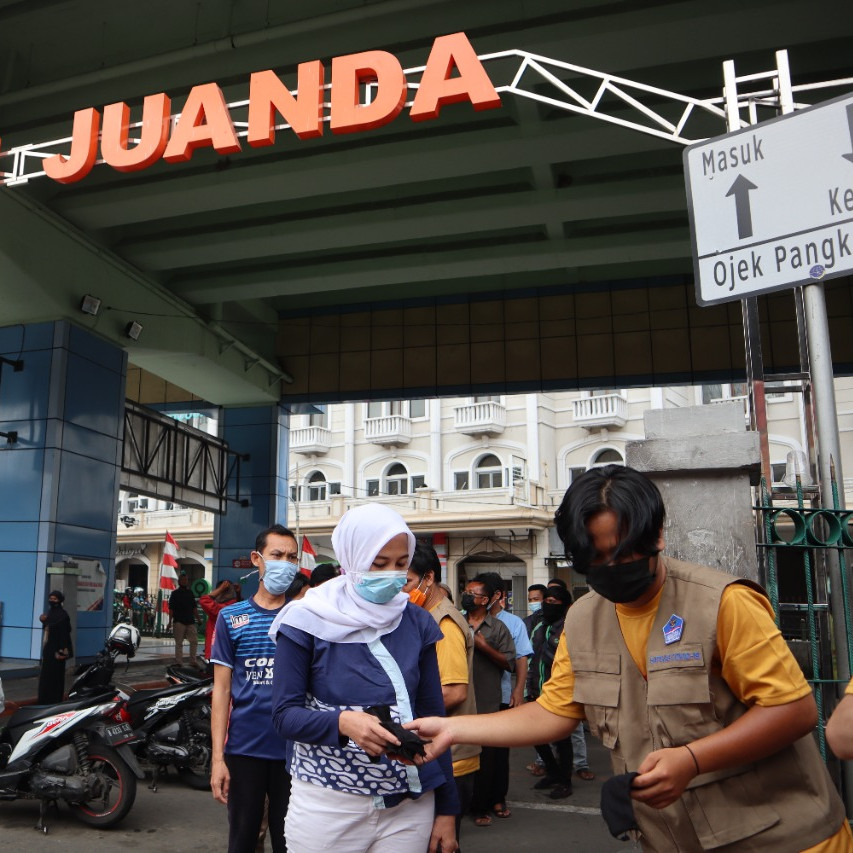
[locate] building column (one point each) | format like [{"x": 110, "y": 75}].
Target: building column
[
  {"x": 260, "y": 435},
  {"x": 702, "y": 460},
  {"x": 436, "y": 466},
  {"x": 349, "y": 486},
  {"x": 534, "y": 475},
  {"x": 58, "y": 503}
]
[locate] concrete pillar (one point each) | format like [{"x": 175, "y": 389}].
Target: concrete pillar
[
  {"x": 702, "y": 458},
  {"x": 260, "y": 434},
  {"x": 60, "y": 478}
]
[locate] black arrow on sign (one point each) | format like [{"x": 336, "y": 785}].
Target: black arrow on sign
[
  {"x": 740, "y": 190},
  {"x": 850, "y": 128}
]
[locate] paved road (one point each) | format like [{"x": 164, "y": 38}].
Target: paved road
[{"x": 179, "y": 819}]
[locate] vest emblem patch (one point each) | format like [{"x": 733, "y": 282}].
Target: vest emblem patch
[{"x": 673, "y": 629}]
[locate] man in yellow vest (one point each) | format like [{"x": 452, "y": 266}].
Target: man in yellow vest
[
  {"x": 455, "y": 654},
  {"x": 681, "y": 672}
]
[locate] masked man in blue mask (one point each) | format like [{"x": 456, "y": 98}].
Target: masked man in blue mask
[{"x": 248, "y": 755}]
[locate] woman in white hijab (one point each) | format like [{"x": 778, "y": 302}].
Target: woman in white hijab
[{"x": 353, "y": 643}]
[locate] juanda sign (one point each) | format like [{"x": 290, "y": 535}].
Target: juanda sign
[{"x": 453, "y": 73}]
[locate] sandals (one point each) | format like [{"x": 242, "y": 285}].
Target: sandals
[
  {"x": 500, "y": 810},
  {"x": 586, "y": 774},
  {"x": 482, "y": 820}
]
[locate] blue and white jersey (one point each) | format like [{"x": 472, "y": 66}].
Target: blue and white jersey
[{"x": 241, "y": 642}]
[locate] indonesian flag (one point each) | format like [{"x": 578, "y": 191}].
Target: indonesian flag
[
  {"x": 309, "y": 557},
  {"x": 168, "y": 570}
]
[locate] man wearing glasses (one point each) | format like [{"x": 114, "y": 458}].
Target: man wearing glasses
[{"x": 494, "y": 654}]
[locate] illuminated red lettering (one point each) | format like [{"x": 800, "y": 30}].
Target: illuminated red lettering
[
  {"x": 84, "y": 149},
  {"x": 349, "y": 73},
  {"x": 369, "y": 90},
  {"x": 153, "y": 135},
  {"x": 438, "y": 87},
  {"x": 204, "y": 121},
  {"x": 268, "y": 96}
]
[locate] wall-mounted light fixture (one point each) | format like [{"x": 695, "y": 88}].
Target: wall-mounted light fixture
[
  {"x": 133, "y": 330},
  {"x": 90, "y": 305}
]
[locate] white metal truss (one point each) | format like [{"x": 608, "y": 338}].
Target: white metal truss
[{"x": 617, "y": 100}]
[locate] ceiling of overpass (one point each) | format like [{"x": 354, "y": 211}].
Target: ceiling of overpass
[{"x": 213, "y": 255}]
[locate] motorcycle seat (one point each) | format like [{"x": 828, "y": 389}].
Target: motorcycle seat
[
  {"x": 34, "y": 712},
  {"x": 187, "y": 674},
  {"x": 146, "y": 695}
]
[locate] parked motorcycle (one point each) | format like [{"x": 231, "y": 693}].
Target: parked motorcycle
[
  {"x": 74, "y": 752},
  {"x": 172, "y": 723}
]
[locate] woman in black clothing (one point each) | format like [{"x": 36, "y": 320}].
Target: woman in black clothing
[{"x": 56, "y": 650}]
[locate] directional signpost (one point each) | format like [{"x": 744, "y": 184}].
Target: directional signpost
[{"x": 771, "y": 205}]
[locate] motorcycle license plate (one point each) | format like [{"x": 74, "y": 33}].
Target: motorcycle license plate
[{"x": 120, "y": 733}]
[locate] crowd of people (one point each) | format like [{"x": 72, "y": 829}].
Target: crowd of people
[{"x": 361, "y": 711}]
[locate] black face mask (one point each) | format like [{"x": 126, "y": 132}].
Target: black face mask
[
  {"x": 54, "y": 603},
  {"x": 467, "y": 601},
  {"x": 554, "y": 612},
  {"x": 623, "y": 582}
]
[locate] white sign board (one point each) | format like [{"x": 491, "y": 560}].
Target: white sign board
[{"x": 771, "y": 206}]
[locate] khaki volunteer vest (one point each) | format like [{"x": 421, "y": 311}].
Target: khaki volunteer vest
[
  {"x": 785, "y": 802},
  {"x": 445, "y": 609}
]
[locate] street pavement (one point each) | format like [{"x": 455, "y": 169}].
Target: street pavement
[{"x": 176, "y": 818}]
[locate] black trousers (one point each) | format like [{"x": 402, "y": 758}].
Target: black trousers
[
  {"x": 500, "y": 785},
  {"x": 253, "y": 779},
  {"x": 51, "y": 678},
  {"x": 484, "y": 782},
  {"x": 465, "y": 789},
  {"x": 560, "y": 766}
]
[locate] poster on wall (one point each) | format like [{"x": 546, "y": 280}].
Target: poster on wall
[{"x": 91, "y": 583}]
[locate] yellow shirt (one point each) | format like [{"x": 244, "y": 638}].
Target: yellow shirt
[
  {"x": 453, "y": 669},
  {"x": 751, "y": 656}
]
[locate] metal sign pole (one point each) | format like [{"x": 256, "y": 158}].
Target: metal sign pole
[
  {"x": 816, "y": 333},
  {"x": 829, "y": 471}
]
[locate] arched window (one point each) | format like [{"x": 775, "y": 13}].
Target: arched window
[
  {"x": 397, "y": 480},
  {"x": 608, "y": 456},
  {"x": 317, "y": 487},
  {"x": 489, "y": 473}
]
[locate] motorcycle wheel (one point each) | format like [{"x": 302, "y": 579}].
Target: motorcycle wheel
[{"x": 119, "y": 789}]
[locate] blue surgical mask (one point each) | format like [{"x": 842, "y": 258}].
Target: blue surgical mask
[
  {"x": 380, "y": 587},
  {"x": 534, "y": 606},
  {"x": 278, "y": 576}
]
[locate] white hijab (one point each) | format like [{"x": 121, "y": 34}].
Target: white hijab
[{"x": 334, "y": 611}]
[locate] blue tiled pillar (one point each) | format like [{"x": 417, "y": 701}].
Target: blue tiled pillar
[
  {"x": 262, "y": 434},
  {"x": 59, "y": 481}
]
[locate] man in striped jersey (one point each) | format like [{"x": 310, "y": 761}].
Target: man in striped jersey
[{"x": 248, "y": 755}]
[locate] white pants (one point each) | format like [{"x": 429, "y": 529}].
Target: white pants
[{"x": 319, "y": 819}]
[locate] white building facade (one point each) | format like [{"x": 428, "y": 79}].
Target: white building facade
[{"x": 477, "y": 477}]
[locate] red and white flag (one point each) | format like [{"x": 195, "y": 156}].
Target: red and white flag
[
  {"x": 169, "y": 567},
  {"x": 309, "y": 557}
]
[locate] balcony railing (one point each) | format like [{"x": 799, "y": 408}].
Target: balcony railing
[
  {"x": 480, "y": 418},
  {"x": 311, "y": 440},
  {"x": 606, "y": 410},
  {"x": 388, "y": 430},
  {"x": 158, "y": 521}
]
